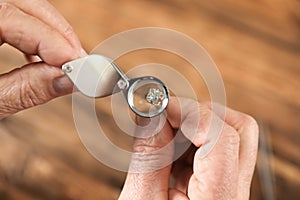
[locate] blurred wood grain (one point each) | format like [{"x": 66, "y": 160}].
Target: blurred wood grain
[{"x": 256, "y": 45}]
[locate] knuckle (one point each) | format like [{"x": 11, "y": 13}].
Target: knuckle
[
  {"x": 230, "y": 134},
  {"x": 30, "y": 95},
  {"x": 145, "y": 146},
  {"x": 21, "y": 91},
  {"x": 203, "y": 114},
  {"x": 27, "y": 96},
  {"x": 207, "y": 104},
  {"x": 249, "y": 123},
  {"x": 6, "y": 10},
  {"x": 68, "y": 30},
  {"x": 18, "y": 95},
  {"x": 145, "y": 149},
  {"x": 152, "y": 145}
]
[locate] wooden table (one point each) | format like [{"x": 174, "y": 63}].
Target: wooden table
[{"x": 256, "y": 45}]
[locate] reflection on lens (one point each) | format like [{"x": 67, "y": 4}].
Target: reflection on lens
[{"x": 147, "y": 96}]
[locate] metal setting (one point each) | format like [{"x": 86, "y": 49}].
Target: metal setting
[{"x": 97, "y": 76}]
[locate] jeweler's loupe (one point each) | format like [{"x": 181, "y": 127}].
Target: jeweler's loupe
[{"x": 97, "y": 76}]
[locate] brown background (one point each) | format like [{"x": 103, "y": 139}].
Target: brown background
[{"x": 256, "y": 45}]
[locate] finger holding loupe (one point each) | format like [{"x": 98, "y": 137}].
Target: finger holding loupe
[{"x": 97, "y": 76}]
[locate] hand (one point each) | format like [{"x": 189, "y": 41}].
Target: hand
[
  {"x": 224, "y": 173},
  {"x": 42, "y": 34}
]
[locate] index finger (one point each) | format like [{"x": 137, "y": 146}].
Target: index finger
[
  {"x": 247, "y": 129},
  {"x": 32, "y": 36},
  {"x": 45, "y": 12}
]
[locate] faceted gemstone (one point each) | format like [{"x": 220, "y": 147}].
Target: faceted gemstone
[{"x": 155, "y": 96}]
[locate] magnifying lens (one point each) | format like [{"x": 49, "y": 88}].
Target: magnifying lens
[{"x": 97, "y": 76}]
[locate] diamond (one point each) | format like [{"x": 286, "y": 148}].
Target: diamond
[{"x": 155, "y": 96}]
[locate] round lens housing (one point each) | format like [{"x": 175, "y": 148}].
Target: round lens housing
[{"x": 147, "y": 96}]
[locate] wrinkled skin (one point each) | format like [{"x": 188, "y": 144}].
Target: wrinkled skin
[
  {"x": 47, "y": 40},
  {"x": 225, "y": 173},
  {"x": 35, "y": 28}
]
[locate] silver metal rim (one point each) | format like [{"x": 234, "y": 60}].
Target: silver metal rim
[{"x": 130, "y": 96}]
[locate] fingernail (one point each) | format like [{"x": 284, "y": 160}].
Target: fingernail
[
  {"x": 62, "y": 85},
  {"x": 83, "y": 52}
]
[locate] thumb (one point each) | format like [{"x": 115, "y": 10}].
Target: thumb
[
  {"x": 149, "y": 171},
  {"x": 31, "y": 85}
]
